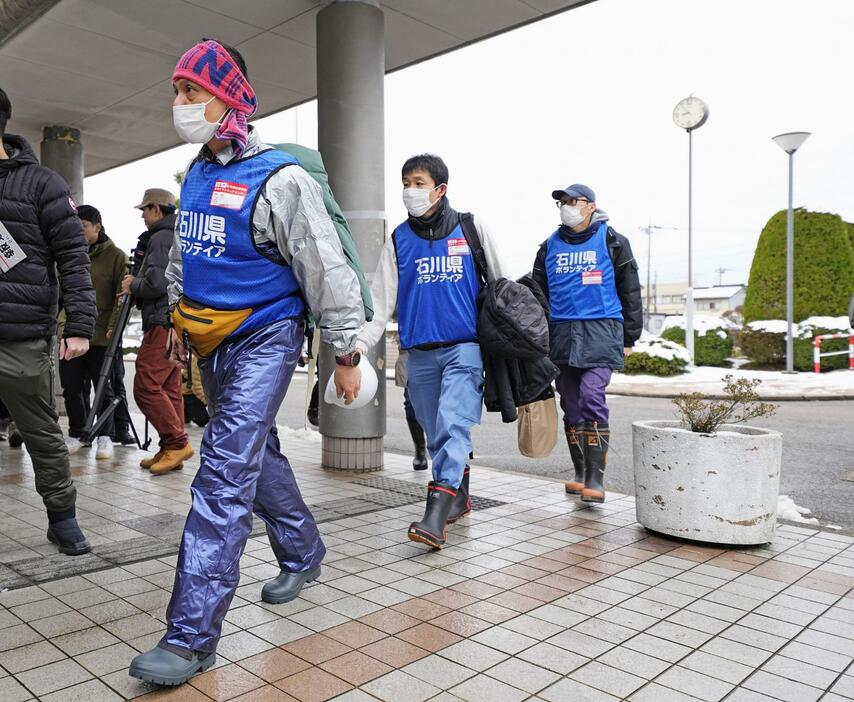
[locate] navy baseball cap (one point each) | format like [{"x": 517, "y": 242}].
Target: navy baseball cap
[{"x": 577, "y": 191}]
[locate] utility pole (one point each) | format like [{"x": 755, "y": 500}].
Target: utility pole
[
  {"x": 648, "y": 230},
  {"x": 720, "y": 272}
]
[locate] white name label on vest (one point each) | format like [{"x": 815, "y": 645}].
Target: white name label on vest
[
  {"x": 10, "y": 253},
  {"x": 228, "y": 195},
  {"x": 201, "y": 233},
  {"x": 439, "y": 269},
  {"x": 591, "y": 278},
  {"x": 575, "y": 262},
  {"x": 458, "y": 247}
]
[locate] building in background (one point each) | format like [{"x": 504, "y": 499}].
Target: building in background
[
  {"x": 667, "y": 299},
  {"x": 719, "y": 298}
]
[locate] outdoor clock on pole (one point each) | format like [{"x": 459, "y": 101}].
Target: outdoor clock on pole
[{"x": 689, "y": 114}]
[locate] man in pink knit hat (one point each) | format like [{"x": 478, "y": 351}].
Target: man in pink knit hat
[{"x": 254, "y": 247}]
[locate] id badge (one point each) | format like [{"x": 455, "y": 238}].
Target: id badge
[{"x": 10, "y": 253}]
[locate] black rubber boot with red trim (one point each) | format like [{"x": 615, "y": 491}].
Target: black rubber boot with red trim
[
  {"x": 431, "y": 529},
  {"x": 462, "y": 502}
]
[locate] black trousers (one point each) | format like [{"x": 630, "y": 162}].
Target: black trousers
[{"x": 73, "y": 375}]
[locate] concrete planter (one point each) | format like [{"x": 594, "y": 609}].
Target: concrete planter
[{"x": 720, "y": 488}]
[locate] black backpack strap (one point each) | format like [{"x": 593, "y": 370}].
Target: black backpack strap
[{"x": 475, "y": 245}]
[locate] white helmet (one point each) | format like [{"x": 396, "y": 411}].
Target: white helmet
[{"x": 366, "y": 393}]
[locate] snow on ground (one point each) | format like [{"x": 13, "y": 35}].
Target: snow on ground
[
  {"x": 304, "y": 434},
  {"x": 776, "y": 385},
  {"x": 787, "y": 509}
]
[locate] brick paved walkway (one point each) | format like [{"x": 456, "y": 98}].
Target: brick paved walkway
[{"x": 533, "y": 599}]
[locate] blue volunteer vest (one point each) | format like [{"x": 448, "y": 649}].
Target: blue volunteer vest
[
  {"x": 437, "y": 289},
  {"x": 223, "y": 269},
  {"x": 581, "y": 279}
]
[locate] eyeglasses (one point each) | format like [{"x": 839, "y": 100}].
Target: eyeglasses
[{"x": 571, "y": 201}]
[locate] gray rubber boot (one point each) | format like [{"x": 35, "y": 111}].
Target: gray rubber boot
[
  {"x": 287, "y": 586},
  {"x": 164, "y": 667},
  {"x": 575, "y": 440},
  {"x": 595, "y": 457}
]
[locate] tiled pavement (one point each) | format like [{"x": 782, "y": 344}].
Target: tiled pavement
[{"x": 533, "y": 599}]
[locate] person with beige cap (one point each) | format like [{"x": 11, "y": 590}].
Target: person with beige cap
[{"x": 157, "y": 384}]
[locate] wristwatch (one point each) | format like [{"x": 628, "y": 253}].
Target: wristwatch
[{"x": 350, "y": 359}]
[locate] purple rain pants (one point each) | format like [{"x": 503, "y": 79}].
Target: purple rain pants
[
  {"x": 582, "y": 394},
  {"x": 242, "y": 471}
]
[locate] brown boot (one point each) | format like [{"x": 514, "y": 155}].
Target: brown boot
[
  {"x": 172, "y": 459},
  {"x": 575, "y": 439},
  {"x": 148, "y": 462}
]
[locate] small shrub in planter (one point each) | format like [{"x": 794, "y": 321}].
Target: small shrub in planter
[
  {"x": 705, "y": 477},
  {"x": 706, "y": 416},
  {"x": 710, "y": 349}
]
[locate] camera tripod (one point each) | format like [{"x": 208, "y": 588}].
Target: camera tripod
[{"x": 95, "y": 421}]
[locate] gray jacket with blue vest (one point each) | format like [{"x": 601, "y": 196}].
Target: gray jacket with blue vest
[{"x": 599, "y": 342}]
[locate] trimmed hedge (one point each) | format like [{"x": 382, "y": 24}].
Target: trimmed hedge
[
  {"x": 709, "y": 349},
  {"x": 803, "y": 352},
  {"x": 824, "y": 268},
  {"x": 767, "y": 350},
  {"x": 764, "y": 349},
  {"x": 640, "y": 363}
]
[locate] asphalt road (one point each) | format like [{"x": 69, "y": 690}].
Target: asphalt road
[{"x": 818, "y": 447}]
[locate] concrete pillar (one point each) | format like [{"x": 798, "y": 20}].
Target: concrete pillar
[
  {"x": 62, "y": 152},
  {"x": 350, "y": 110}
]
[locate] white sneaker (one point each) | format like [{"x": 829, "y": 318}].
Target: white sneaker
[
  {"x": 104, "y": 447},
  {"x": 73, "y": 444}
]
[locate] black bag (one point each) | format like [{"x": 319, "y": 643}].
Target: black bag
[{"x": 511, "y": 322}]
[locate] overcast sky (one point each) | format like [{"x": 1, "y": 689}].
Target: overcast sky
[{"x": 587, "y": 96}]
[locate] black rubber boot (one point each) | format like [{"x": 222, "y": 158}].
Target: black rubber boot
[
  {"x": 124, "y": 437},
  {"x": 419, "y": 462},
  {"x": 598, "y": 438},
  {"x": 67, "y": 535},
  {"x": 575, "y": 441},
  {"x": 15, "y": 438},
  {"x": 462, "y": 502},
  {"x": 196, "y": 409},
  {"x": 313, "y": 412},
  {"x": 431, "y": 529}
]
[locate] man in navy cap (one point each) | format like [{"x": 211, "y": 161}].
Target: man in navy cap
[{"x": 590, "y": 279}]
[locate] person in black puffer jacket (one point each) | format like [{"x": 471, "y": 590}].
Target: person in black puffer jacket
[{"x": 42, "y": 243}]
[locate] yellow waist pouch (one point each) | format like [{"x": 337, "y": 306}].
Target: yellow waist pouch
[{"x": 206, "y": 328}]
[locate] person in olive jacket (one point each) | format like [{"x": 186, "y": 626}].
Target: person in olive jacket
[
  {"x": 42, "y": 249},
  {"x": 109, "y": 265}
]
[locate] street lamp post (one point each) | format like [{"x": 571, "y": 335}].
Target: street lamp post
[
  {"x": 690, "y": 114},
  {"x": 790, "y": 142}
]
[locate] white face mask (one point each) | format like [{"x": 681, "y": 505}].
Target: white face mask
[
  {"x": 417, "y": 200},
  {"x": 570, "y": 215},
  {"x": 191, "y": 125}
]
